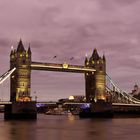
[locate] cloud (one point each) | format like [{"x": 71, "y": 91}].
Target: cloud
[{"x": 72, "y": 28}]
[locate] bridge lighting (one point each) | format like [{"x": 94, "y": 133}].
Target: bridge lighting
[
  {"x": 65, "y": 65},
  {"x": 12, "y": 48},
  {"x": 85, "y": 106},
  {"x": 13, "y": 76},
  {"x": 95, "y": 99},
  {"x": 20, "y": 55},
  {"x": 103, "y": 98},
  {"x": 26, "y": 54}
]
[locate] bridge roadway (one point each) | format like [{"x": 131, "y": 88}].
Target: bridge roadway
[
  {"x": 74, "y": 103},
  {"x": 8, "y": 102},
  {"x": 60, "y": 67},
  {"x": 117, "y": 108}
]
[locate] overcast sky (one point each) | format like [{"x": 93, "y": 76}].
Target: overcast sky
[{"x": 72, "y": 28}]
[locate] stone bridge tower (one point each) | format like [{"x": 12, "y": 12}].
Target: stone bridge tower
[
  {"x": 21, "y": 107},
  {"x": 95, "y": 82},
  {"x": 20, "y": 79}
]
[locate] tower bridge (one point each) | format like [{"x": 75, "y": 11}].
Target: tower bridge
[{"x": 97, "y": 88}]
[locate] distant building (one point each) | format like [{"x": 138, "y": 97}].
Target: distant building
[
  {"x": 136, "y": 92},
  {"x": 77, "y": 98},
  {"x": 73, "y": 98}
]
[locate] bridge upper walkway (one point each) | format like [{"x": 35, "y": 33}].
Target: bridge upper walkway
[{"x": 60, "y": 67}]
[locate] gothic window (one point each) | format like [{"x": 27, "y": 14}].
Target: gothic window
[
  {"x": 87, "y": 63},
  {"x": 12, "y": 56},
  {"x": 24, "y": 61},
  {"x": 100, "y": 68}
]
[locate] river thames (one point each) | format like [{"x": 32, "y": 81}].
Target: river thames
[{"x": 60, "y": 127}]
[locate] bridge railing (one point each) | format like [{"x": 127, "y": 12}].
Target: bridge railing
[{"x": 6, "y": 75}]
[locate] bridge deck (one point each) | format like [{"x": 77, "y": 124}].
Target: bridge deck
[
  {"x": 123, "y": 104},
  {"x": 60, "y": 67},
  {"x": 74, "y": 103},
  {"x": 5, "y": 102}
]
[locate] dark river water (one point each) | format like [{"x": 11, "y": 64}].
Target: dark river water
[{"x": 49, "y": 127}]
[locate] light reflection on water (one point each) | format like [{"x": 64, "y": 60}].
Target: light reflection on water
[{"x": 70, "y": 128}]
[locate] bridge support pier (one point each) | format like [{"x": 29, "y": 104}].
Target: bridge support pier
[
  {"x": 98, "y": 109},
  {"x": 20, "y": 110}
]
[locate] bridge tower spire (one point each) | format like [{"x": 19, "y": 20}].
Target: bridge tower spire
[
  {"x": 95, "y": 82},
  {"x": 20, "y": 79}
]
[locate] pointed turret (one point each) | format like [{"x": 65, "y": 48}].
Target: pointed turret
[
  {"x": 29, "y": 49},
  {"x": 20, "y": 47},
  {"x": 86, "y": 61},
  {"x": 103, "y": 57},
  {"x": 95, "y": 55},
  {"x": 136, "y": 87},
  {"x": 12, "y": 51}
]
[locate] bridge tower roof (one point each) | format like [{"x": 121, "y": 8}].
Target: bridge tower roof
[
  {"x": 104, "y": 57},
  {"x": 95, "y": 54},
  {"x": 20, "y": 47},
  {"x": 29, "y": 50}
]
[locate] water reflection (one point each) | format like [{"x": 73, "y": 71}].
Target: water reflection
[
  {"x": 69, "y": 128},
  {"x": 71, "y": 118},
  {"x": 21, "y": 130}
]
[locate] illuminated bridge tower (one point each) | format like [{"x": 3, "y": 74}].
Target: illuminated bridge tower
[
  {"x": 95, "y": 81},
  {"x": 22, "y": 106},
  {"x": 20, "y": 79}
]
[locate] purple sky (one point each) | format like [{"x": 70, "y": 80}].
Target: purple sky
[{"x": 72, "y": 28}]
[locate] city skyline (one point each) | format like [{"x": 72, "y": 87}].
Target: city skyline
[{"x": 65, "y": 31}]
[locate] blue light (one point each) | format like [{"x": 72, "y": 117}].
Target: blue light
[
  {"x": 85, "y": 106},
  {"x": 40, "y": 105}
]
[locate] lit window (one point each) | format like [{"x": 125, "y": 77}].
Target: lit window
[
  {"x": 87, "y": 74},
  {"x": 23, "y": 61},
  {"x": 12, "y": 56},
  {"x": 100, "y": 68}
]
